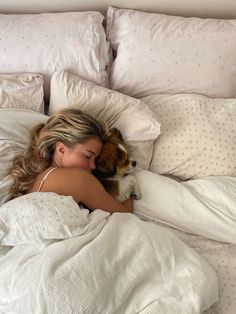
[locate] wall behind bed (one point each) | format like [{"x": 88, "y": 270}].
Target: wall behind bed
[{"x": 200, "y": 8}]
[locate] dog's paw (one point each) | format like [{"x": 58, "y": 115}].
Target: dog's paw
[
  {"x": 136, "y": 197},
  {"x": 136, "y": 194},
  {"x": 123, "y": 197},
  {"x": 128, "y": 187}
]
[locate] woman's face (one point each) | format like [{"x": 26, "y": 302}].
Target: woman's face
[{"x": 80, "y": 156}]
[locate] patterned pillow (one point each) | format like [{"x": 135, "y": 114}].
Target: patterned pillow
[
  {"x": 46, "y": 42},
  {"x": 198, "y": 136},
  {"x": 164, "y": 54}
]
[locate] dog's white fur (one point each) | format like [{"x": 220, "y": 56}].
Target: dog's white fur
[{"x": 128, "y": 186}]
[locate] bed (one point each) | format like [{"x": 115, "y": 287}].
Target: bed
[{"x": 164, "y": 74}]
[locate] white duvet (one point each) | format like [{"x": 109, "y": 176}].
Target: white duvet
[
  {"x": 65, "y": 260},
  {"x": 205, "y": 206}
]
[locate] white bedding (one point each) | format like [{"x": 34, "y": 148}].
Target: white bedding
[
  {"x": 118, "y": 264},
  {"x": 203, "y": 206},
  {"x": 201, "y": 213},
  {"x": 222, "y": 257},
  {"x": 177, "y": 253}
]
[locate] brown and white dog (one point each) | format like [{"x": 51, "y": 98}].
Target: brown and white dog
[{"x": 114, "y": 168}]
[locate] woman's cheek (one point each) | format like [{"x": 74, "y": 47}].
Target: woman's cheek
[{"x": 82, "y": 164}]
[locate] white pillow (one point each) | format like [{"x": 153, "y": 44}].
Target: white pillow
[
  {"x": 22, "y": 90},
  {"x": 158, "y": 53},
  {"x": 15, "y": 126},
  {"x": 44, "y": 43},
  {"x": 133, "y": 117},
  {"x": 198, "y": 136}
]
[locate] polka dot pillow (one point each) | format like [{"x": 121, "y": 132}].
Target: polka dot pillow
[
  {"x": 164, "y": 54},
  {"x": 198, "y": 136},
  {"x": 46, "y": 42}
]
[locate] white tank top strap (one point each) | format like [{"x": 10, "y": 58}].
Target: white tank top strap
[{"x": 44, "y": 178}]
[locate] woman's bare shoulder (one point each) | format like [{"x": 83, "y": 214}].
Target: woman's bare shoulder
[
  {"x": 68, "y": 173},
  {"x": 68, "y": 181},
  {"x": 82, "y": 186}
]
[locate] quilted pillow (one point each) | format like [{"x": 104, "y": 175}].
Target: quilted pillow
[
  {"x": 198, "y": 136},
  {"x": 157, "y": 53},
  {"x": 46, "y": 42},
  {"x": 22, "y": 90},
  {"x": 132, "y": 116}
]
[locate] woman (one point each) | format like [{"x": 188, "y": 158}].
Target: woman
[{"x": 60, "y": 158}]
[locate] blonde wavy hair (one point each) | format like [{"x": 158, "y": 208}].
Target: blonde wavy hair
[{"x": 69, "y": 126}]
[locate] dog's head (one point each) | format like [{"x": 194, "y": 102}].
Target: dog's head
[{"x": 114, "y": 158}]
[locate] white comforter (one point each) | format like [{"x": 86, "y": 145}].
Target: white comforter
[
  {"x": 205, "y": 206},
  {"x": 65, "y": 260}
]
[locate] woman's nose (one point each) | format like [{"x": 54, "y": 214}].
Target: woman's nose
[{"x": 92, "y": 164}]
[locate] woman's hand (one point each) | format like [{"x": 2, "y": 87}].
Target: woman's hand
[{"x": 128, "y": 204}]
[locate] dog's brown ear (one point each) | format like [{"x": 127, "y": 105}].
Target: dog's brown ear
[
  {"x": 107, "y": 158},
  {"x": 116, "y": 132}
]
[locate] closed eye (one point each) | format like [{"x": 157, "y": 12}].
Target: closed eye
[{"x": 89, "y": 154}]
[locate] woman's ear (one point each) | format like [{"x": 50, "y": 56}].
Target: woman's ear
[{"x": 60, "y": 149}]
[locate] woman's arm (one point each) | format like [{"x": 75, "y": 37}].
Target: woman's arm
[
  {"x": 93, "y": 195},
  {"x": 128, "y": 204},
  {"x": 84, "y": 188}
]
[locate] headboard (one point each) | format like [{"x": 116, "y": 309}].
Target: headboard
[{"x": 199, "y": 8}]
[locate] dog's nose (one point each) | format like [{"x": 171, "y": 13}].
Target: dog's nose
[{"x": 133, "y": 163}]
